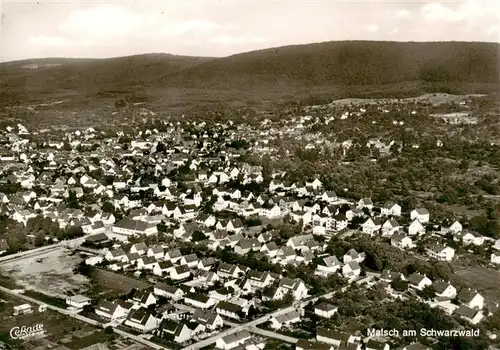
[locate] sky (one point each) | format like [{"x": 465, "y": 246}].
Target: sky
[{"x": 110, "y": 28}]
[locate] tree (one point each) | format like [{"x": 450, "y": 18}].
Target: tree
[
  {"x": 427, "y": 293},
  {"x": 107, "y": 207},
  {"x": 198, "y": 236},
  {"x": 73, "y": 200},
  {"x": 399, "y": 285}
]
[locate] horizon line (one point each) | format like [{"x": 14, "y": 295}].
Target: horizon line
[{"x": 244, "y": 52}]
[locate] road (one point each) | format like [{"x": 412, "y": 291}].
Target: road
[
  {"x": 42, "y": 250},
  {"x": 83, "y": 319},
  {"x": 274, "y": 335}
]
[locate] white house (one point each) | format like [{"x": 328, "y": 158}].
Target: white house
[
  {"x": 391, "y": 209},
  {"x": 142, "y": 320},
  {"x": 420, "y": 214},
  {"x": 419, "y": 281},
  {"x": 167, "y": 291},
  {"x": 180, "y": 272},
  {"x": 296, "y": 287},
  {"x": 471, "y": 298},
  {"x": 78, "y": 301},
  {"x": 110, "y": 310},
  {"x": 441, "y": 253},
  {"x": 416, "y": 228},
  {"x": 390, "y": 227},
  {"x": 371, "y": 226},
  {"x": 233, "y": 340},
  {"x": 474, "y": 316},
  {"x": 401, "y": 241},
  {"x": 176, "y": 331},
  {"x": 351, "y": 270},
  {"x": 444, "y": 290},
  {"x": 495, "y": 258},
  {"x": 328, "y": 266},
  {"x": 325, "y": 310},
  {"x": 286, "y": 319}
]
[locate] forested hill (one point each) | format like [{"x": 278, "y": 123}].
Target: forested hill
[
  {"x": 285, "y": 70},
  {"x": 347, "y": 63}
]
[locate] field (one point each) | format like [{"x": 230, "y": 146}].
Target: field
[
  {"x": 109, "y": 280},
  {"x": 485, "y": 280},
  {"x": 57, "y": 327},
  {"x": 51, "y": 273}
]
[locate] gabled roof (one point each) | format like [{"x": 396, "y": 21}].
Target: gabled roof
[{"x": 416, "y": 278}]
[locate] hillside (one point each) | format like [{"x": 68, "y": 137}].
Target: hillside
[
  {"x": 105, "y": 77},
  {"x": 277, "y": 74},
  {"x": 348, "y": 63}
]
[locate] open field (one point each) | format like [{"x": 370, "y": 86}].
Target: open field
[
  {"x": 113, "y": 281},
  {"x": 485, "y": 280},
  {"x": 51, "y": 273}
]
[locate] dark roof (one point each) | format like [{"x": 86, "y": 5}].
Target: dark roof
[
  {"x": 466, "y": 311},
  {"x": 202, "y": 298},
  {"x": 225, "y": 305},
  {"x": 373, "y": 344},
  {"x": 309, "y": 345}
]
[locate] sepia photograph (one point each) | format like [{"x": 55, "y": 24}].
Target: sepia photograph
[{"x": 250, "y": 175}]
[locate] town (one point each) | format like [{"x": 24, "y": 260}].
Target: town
[{"x": 187, "y": 234}]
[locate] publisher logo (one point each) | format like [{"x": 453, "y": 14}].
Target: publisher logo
[{"x": 27, "y": 332}]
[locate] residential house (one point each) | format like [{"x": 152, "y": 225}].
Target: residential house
[
  {"x": 390, "y": 227},
  {"x": 441, "y": 253},
  {"x": 372, "y": 344},
  {"x": 353, "y": 255},
  {"x": 420, "y": 214},
  {"x": 474, "y": 316},
  {"x": 327, "y": 266},
  {"x": 198, "y": 300},
  {"x": 259, "y": 279},
  {"x": 471, "y": 298},
  {"x": 351, "y": 270},
  {"x": 77, "y": 301},
  {"x": 472, "y": 238},
  {"x": 144, "y": 298},
  {"x": 139, "y": 248},
  {"x": 285, "y": 320},
  {"x": 164, "y": 290},
  {"x": 174, "y": 331},
  {"x": 391, "y": 209},
  {"x": 335, "y": 338},
  {"x": 416, "y": 228},
  {"x": 495, "y": 258},
  {"x": 180, "y": 272},
  {"x": 211, "y": 320},
  {"x": 401, "y": 241},
  {"x": 325, "y": 310},
  {"x": 157, "y": 252},
  {"x": 162, "y": 268},
  {"x": 419, "y": 281},
  {"x": 444, "y": 290},
  {"x": 371, "y": 226},
  {"x": 296, "y": 287},
  {"x": 228, "y": 309},
  {"x": 233, "y": 340},
  {"x": 303, "y": 344},
  {"x": 388, "y": 276},
  {"x": 365, "y": 203},
  {"x": 110, "y": 310},
  {"x": 141, "y": 320}
]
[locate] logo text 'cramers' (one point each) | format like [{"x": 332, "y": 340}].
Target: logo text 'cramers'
[{"x": 26, "y": 332}]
